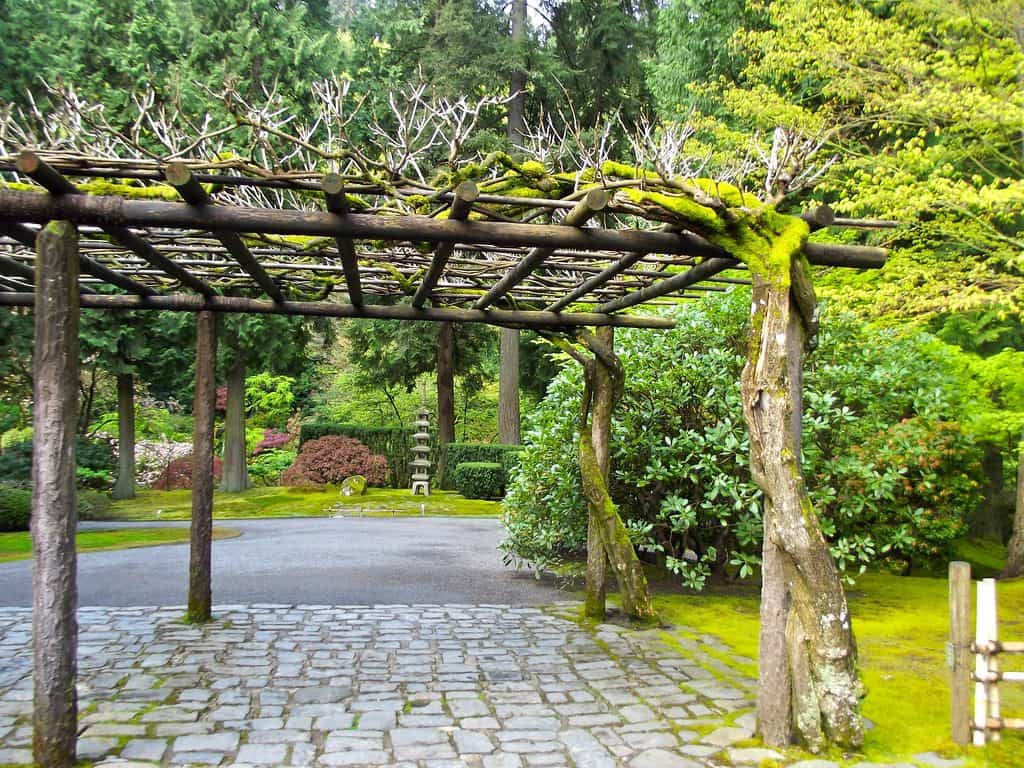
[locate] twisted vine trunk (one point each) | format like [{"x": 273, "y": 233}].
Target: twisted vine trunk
[
  {"x": 603, "y": 387},
  {"x": 200, "y": 590},
  {"x": 823, "y": 690}
]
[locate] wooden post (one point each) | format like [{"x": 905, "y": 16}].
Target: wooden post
[
  {"x": 992, "y": 659},
  {"x": 54, "y": 518},
  {"x": 200, "y": 596},
  {"x": 508, "y": 388},
  {"x": 124, "y": 488},
  {"x": 981, "y": 669},
  {"x": 960, "y": 651},
  {"x": 445, "y": 398}
]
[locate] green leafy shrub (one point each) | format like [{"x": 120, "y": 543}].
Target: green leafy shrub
[
  {"x": 93, "y": 505},
  {"x": 333, "y": 458},
  {"x": 393, "y": 443},
  {"x": 95, "y": 463},
  {"x": 461, "y": 453},
  {"x": 479, "y": 479},
  {"x": 888, "y": 469},
  {"x": 15, "y": 508},
  {"x": 267, "y": 467}
]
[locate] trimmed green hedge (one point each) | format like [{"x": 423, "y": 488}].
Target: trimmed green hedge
[
  {"x": 479, "y": 479},
  {"x": 15, "y": 508},
  {"x": 490, "y": 453},
  {"x": 394, "y": 443}
]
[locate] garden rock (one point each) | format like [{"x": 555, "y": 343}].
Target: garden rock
[{"x": 353, "y": 486}]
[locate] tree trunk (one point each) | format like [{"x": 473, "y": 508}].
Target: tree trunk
[
  {"x": 124, "y": 488},
  {"x": 508, "y": 388},
  {"x": 988, "y": 521},
  {"x": 517, "y": 78},
  {"x": 601, "y": 392},
  {"x": 235, "y": 476},
  {"x": 601, "y": 435},
  {"x": 53, "y": 522},
  {"x": 1015, "y": 549},
  {"x": 200, "y": 594},
  {"x": 445, "y": 397},
  {"x": 824, "y": 689}
]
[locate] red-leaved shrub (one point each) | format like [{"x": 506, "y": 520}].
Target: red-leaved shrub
[
  {"x": 178, "y": 474},
  {"x": 272, "y": 440},
  {"x": 331, "y": 459}
]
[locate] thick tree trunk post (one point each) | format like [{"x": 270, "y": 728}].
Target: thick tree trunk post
[
  {"x": 200, "y": 594},
  {"x": 124, "y": 488},
  {"x": 825, "y": 690},
  {"x": 517, "y": 78},
  {"x": 960, "y": 644},
  {"x": 508, "y": 388},
  {"x": 445, "y": 396},
  {"x": 54, "y": 519},
  {"x": 1015, "y": 549},
  {"x": 235, "y": 476},
  {"x": 601, "y": 435},
  {"x": 774, "y": 710}
]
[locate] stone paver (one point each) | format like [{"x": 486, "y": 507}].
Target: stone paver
[{"x": 417, "y": 686}]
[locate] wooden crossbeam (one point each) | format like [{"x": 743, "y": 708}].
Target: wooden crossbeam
[
  {"x": 670, "y": 285},
  {"x": 462, "y": 202},
  {"x": 237, "y": 304},
  {"x": 82, "y": 209},
  {"x": 59, "y": 188},
  {"x": 180, "y": 177},
  {"x": 334, "y": 195},
  {"x": 594, "y": 201}
]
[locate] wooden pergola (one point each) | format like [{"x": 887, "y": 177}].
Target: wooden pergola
[{"x": 102, "y": 233}]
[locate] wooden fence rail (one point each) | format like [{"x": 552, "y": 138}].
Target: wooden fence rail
[{"x": 987, "y": 722}]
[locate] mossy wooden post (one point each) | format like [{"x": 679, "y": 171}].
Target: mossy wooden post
[
  {"x": 960, "y": 651},
  {"x": 200, "y": 595},
  {"x": 601, "y": 435},
  {"x": 824, "y": 690},
  {"x": 124, "y": 488},
  {"x": 601, "y": 392},
  {"x": 54, "y": 518}
]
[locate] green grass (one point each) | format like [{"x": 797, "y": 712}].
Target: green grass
[
  {"x": 300, "y": 502},
  {"x": 18, "y": 546},
  {"x": 901, "y": 625}
]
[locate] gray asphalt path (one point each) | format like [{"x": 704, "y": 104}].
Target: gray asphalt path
[{"x": 334, "y": 561}]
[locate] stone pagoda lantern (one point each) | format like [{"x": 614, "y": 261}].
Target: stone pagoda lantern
[{"x": 420, "y": 453}]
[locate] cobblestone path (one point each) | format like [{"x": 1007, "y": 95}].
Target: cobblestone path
[{"x": 424, "y": 686}]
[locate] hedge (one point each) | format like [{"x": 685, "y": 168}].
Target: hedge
[
  {"x": 394, "y": 443},
  {"x": 490, "y": 453},
  {"x": 96, "y": 457},
  {"x": 479, "y": 479},
  {"x": 15, "y": 508}
]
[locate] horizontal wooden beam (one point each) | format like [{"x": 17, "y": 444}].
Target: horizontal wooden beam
[
  {"x": 180, "y": 177},
  {"x": 234, "y": 304},
  {"x": 106, "y": 211}
]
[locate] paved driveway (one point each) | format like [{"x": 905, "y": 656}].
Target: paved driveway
[{"x": 331, "y": 561}]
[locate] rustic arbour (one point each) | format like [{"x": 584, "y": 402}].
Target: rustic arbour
[{"x": 151, "y": 236}]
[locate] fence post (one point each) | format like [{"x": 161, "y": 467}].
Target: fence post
[
  {"x": 980, "y": 670},
  {"x": 992, "y": 659},
  {"x": 960, "y": 650}
]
